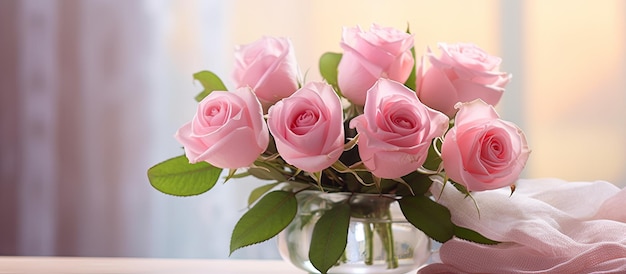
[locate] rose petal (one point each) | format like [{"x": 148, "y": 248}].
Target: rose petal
[
  {"x": 317, "y": 142},
  {"x": 438, "y": 92},
  {"x": 227, "y": 131},
  {"x": 395, "y": 130},
  {"x": 476, "y": 110},
  {"x": 269, "y": 67},
  {"x": 237, "y": 145},
  {"x": 378, "y": 53},
  {"x": 482, "y": 151},
  {"x": 472, "y": 91}
]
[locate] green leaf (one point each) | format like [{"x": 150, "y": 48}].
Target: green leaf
[
  {"x": 328, "y": 68},
  {"x": 178, "y": 177},
  {"x": 461, "y": 188},
  {"x": 259, "y": 191},
  {"x": 330, "y": 236},
  {"x": 265, "y": 219},
  {"x": 472, "y": 236},
  {"x": 266, "y": 171},
  {"x": 210, "y": 81},
  {"x": 433, "y": 160},
  {"x": 418, "y": 182},
  {"x": 428, "y": 216}
]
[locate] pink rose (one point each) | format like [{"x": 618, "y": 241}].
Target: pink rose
[
  {"x": 380, "y": 52},
  {"x": 269, "y": 67},
  {"x": 481, "y": 151},
  {"x": 396, "y": 130},
  {"x": 463, "y": 73},
  {"x": 308, "y": 127},
  {"x": 227, "y": 131}
]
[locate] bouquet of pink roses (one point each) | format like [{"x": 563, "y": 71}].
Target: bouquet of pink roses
[{"x": 382, "y": 122}]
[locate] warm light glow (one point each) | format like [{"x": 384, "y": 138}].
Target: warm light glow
[
  {"x": 575, "y": 107},
  {"x": 315, "y": 26}
]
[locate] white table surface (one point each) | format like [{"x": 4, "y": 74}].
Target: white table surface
[
  {"x": 88, "y": 265},
  {"x": 117, "y": 265}
]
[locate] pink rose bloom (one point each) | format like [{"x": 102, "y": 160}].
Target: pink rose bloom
[
  {"x": 482, "y": 151},
  {"x": 369, "y": 55},
  {"x": 227, "y": 131},
  {"x": 396, "y": 130},
  {"x": 463, "y": 73},
  {"x": 269, "y": 67},
  {"x": 308, "y": 127}
]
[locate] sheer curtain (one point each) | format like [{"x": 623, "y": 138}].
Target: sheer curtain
[{"x": 92, "y": 91}]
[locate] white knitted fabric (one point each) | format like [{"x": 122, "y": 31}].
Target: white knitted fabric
[{"x": 546, "y": 226}]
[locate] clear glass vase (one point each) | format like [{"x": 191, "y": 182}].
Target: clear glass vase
[{"x": 380, "y": 239}]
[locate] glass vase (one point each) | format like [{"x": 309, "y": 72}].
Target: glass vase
[{"x": 380, "y": 239}]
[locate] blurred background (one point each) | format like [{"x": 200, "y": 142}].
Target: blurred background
[{"x": 92, "y": 91}]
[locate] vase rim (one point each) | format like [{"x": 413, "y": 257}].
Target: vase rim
[{"x": 346, "y": 193}]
